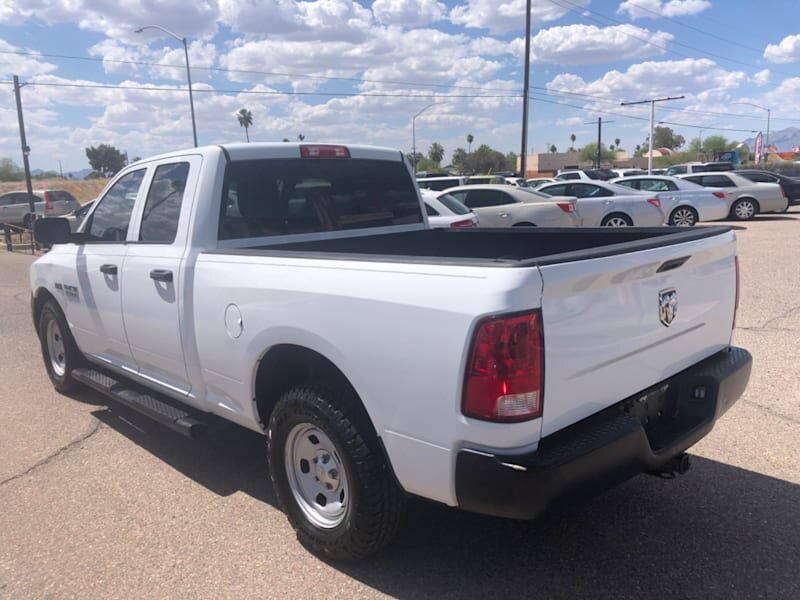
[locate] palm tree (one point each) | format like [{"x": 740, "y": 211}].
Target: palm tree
[
  {"x": 245, "y": 118},
  {"x": 616, "y": 142},
  {"x": 469, "y": 142},
  {"x": 553, "y": 149},
  {"x": 572, "y": 139}
]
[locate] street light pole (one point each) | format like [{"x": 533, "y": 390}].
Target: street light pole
[
  {"x": 769, "y": 114},
  {"x": 652, "y": 104},
  {"x": 188, "y": 71},
  {"x": 414, "y": 133}
]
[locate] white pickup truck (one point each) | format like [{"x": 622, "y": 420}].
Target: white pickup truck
[{"x": 296, "y": 290}]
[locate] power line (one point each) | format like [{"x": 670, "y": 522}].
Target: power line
[
  {"x": 582, "y": 9},
  {"x": 262, "y": 92},
  {"x": 142, "y": 63}
]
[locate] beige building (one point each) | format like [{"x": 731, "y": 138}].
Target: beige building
[{"x": 549, "y": 163}]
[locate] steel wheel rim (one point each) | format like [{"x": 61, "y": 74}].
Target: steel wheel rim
[
  {"x": 745, "y": 210},
  {"x": 616, "y": 222},
  {"x": 683, "y": 217},
  {"x": 55, "y": 348},
  {"x": 316, "y": 475}
]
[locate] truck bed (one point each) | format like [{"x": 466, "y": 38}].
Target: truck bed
[{"x": 519, "y": 247}]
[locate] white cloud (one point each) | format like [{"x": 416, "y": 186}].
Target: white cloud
[
  {"x": 318, "y": 20},
  {"x": 570, "y": 121},
  {"x": 24, "y": 66},
  {"x": 509, "y": 15},
  {"x": 762, "y": 78},
  {"x": 408, "y": 12},
  {"x": 787, "y": 51},
  {"x": 690, "y": 76},
  {"x": 652, "y": 9},
  {"x": 588, "y": 44},
  {"x": 117, "y": 19}
]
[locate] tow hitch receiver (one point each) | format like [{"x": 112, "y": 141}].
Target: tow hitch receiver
[{"x": 676, "y": 465}]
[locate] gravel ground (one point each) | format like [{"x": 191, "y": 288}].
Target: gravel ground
[{"x": 98, "y": 502}]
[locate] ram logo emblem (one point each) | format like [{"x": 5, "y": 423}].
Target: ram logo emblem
[{"x": 667, "y": 306}]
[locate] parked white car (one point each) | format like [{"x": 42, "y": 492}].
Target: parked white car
[
  {"x": 683, "y": 203},
  {"x": 603, "y": 204},
  {"x": 500, "y": 205},
  {"x": 15, "y": 206},
  {"x": 445, "y": 211},
  {"x": 745, "y": 199}
]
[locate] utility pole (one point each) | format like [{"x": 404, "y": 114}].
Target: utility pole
[
  {"x": 25, "y": 151},
  {"x": 599, "y": 158},
  {"x": 652, "y": 103},
  {"x": 523, "y": 155}
]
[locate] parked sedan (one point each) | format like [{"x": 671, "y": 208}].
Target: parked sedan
[
  {"x": 15, "y": 206},
  {"x": 445, "y": 211},
  {"x": 745, "y": 199},
  {"x": 501, "y": 205},
  {"x": 790, "y": 185},
  {"x": 684, "y": 203},
  {"x": 603, "y": 204}
]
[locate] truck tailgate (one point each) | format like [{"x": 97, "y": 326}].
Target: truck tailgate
[{"x": 604, "y": 336}]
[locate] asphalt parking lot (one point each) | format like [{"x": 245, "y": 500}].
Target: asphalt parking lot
[{"x": 98, "y": 502}]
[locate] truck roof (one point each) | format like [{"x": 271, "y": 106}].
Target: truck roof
[{"x": 260, "y": 150}]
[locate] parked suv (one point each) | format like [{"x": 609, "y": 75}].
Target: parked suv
[
  {"x": 699, "y": 167},
  {"x": 586, "y": 175},
  {"x": 438, "y": 184},
  {"x": 15, "y": 206}
]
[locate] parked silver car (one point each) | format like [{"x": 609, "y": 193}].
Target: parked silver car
[
  {"x": 745, "y": 199},
  {"x": 683, "y": 203},
  {"x": 603, "y": 204},
  {"x": 502, "y": 205},
  {"x": 15, "y": 206}
]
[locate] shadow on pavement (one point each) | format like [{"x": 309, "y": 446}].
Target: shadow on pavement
[
  {"x": 717, "y": 532},
  {"x": 783, "y": 217}
]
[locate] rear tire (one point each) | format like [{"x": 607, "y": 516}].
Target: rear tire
[
  {"x": 617, "y": 220},
  {"x": 330, "y": 475},
  {"x": 59, "y": 350},
  {"x": 744, "y": 209},
  {"x": 683, "y": 216}
]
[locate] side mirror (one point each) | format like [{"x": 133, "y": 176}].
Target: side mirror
[{"x": 51, "y": 230}]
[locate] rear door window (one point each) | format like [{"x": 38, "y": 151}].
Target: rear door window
[
  {"x": 273, "y": 197},
  {"x": 556, "y": 190},
  {"x": 588, "y": 190},
  {"x": 717, "y": 181},
  {"x": 453, "y": 204},
  {"x": 657, "y": 185},
  {"x": 485, "y": 198},
  {"x": 633, "y": 183},
  {"x": 162, "y": 209}
]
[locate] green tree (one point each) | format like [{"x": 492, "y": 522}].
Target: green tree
[
  {"x": 553, "y": 149},
  {"x": 572, "y": 139},
  {"x": 511, "y": 162},
  {"x": 9, "y": 171},
  {"x": 415, "y": 158},
  {"x": 470, "y": 138},
  {"x": 665, "y": 137},
  {"x": 717, "y": 143},
  {"x": 459, "y": 160},
  {"x": 486, "y": 160},
  {"x": 106, "y": 159},
  {"x": 589, "y": 153},
  {"x": 245, "y": 118},
  {"x": 300, "y": 137},
  {"x": 436, "y": 153},
  {"x": 616, "y": 143}
]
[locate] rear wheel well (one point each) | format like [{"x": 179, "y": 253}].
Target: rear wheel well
[
  {"x": 286, "y": 366},
  {"x": 751, "y": 199}
]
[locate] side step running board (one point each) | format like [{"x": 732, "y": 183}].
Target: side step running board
[{"x": 141, "y": 401}]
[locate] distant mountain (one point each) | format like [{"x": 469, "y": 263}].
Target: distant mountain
[
  {"x": 784, "y": 139},
  {"x": 78, "y": 174}
]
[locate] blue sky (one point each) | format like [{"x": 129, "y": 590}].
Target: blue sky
[{"x": 357, "y": 71}]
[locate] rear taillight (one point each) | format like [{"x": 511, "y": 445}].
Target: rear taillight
[
  {"x": 720, "y": 195},
  {"x": 48, "y": 201},
  {"x": 324, "y": 151},
  {"x": 655, "y": 202},
  {"x": 736, "y": 301},
  {"x": 504, "y": 376},
  {"x": 567, "y": 207},
  {"x": 463, "y": 223}
]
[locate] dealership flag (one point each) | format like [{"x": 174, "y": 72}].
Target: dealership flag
[{"x": 757, "y": 149}]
